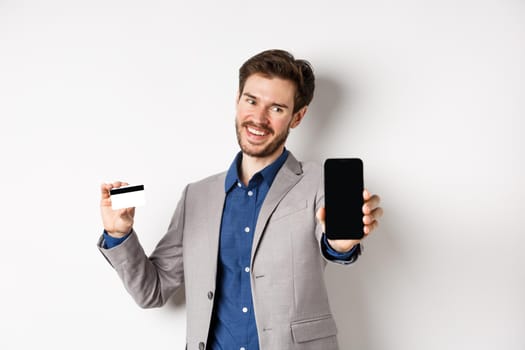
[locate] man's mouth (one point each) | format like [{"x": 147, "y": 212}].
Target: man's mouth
[{"x": 256, "y": 131}]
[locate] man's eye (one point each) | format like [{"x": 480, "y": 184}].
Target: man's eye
[
  {"x": 277, "y": 109},
  {"x": 250, "y": 101}
]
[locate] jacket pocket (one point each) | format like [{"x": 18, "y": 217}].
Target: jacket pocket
[{"x": 312, "y": 329}]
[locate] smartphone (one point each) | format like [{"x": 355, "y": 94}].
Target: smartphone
[{"x": 343, "y": 191}]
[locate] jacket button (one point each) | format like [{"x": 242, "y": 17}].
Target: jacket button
[
  {"x": 210, "y": 295},
  {"x": 201, "y": 346}
]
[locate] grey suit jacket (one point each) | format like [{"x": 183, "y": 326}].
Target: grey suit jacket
[{"x": 289, "y": 295}]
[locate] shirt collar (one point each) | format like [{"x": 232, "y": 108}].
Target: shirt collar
[{"x": 268, "y": 173}]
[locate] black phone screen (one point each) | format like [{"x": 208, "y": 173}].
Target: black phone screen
[{"x": 343, "y": 184}]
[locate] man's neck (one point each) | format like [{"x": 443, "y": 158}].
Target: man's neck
[{"x": 251, "y": 165}]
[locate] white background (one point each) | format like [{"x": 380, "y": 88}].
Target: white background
[{"x": 429, "y": 93}]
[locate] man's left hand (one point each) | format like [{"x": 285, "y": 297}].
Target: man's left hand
[{"x": 371, "y": 213}]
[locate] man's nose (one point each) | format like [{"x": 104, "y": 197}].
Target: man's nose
[{"x": 260, "y": 114}]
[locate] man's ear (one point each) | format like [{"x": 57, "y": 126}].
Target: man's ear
[{"x": 298, "y": 117}]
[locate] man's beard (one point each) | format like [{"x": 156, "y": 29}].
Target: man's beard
[{"x": 270, "y": 149}]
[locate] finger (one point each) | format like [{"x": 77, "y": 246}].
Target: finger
[
  {"x": 373, "y": 216},
  {"x": 377, "y": 213},
  {"x": 104, "y": 189},
  {"x": 117, "y": 184},
  {"x": 321, "y": 215},
  {"x": 371, "y": 204},
  {"x": 130, "y": 211},
  {"x": 366, "y": 195},
  {"x": 371, "y": 227},
  {"x": 368, "y": 219}
]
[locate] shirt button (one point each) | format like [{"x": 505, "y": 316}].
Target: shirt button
[
  {"x": 250, "y": 193},
  {"x": 210, "y": 295},
  {"x": 245, "y": 309},
  {"x": 246, "y": 229},
  {"x": 239, "y": 184},
  {"x": 247, "y": 269},
  {"x": 201, "y": 346},
  {"x": 242, "y": 348}
]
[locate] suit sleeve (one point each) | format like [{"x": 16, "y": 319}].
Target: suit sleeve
[{"x": 151, "y": 281}]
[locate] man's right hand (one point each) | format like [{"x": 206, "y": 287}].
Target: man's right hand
[{"x": 117, "y": 223}]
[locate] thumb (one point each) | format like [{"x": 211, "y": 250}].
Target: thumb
[{"x": 320, "y": 215}]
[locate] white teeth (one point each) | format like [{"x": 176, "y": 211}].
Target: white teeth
[{"x": 256, "y": 132}]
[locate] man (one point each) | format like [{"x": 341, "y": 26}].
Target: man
[{"x": 247, "y": 243}]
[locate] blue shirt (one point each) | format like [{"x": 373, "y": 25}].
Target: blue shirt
[{"x": 233, "y": 324}]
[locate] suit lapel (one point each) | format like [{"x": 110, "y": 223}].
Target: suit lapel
[
  {"x": 215, "y": 208},
  {"x": 290, "y": 173}
]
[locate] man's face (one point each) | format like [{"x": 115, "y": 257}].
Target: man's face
[{"x": 265, "y": 115}]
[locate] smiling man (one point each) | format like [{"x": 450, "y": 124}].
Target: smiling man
[{"x": 247, "y": 244}]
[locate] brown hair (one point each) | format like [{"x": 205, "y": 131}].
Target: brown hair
[{"x": 282, "y": 64}]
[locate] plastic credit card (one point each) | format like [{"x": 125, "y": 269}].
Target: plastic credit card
[{"x": 127, "y": 197}]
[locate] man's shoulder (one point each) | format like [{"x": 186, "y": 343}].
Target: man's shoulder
[
  {"x": 312, "y": 175},
  {"x": 206, "y": 189},
  {"x": 307, "y": 168},
  {"x": 309, "y": 174},
  {"x": 312, "y": 167},
  {"x": 211, "y": 180}
]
